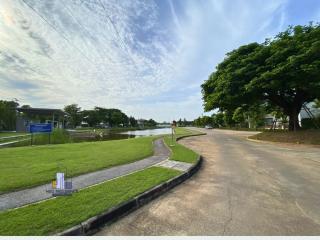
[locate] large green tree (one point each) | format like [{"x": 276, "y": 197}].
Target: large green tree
[
  {"x": 74, "y": 116},
  {"x": 283, "y": 72},
  {"x": 8, "y": 114}
]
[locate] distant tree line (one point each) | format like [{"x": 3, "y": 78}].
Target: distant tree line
[
  {"x": 75, "y": 116},
  {"x": 184, "y": 123},
  {"x": 103, "y": 117},
  {"x": 255, "y": 118}
]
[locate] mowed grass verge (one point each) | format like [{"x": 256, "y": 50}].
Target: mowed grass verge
[
  {"x": 180, "y": 152},
  {"x": 30, "y": 166},
  {"x": 298, "y": 137},
  {"x": 58, "y": 214}
]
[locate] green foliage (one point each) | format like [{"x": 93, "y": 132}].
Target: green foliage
[
  {"x": 283, "y": 72},
  {"x": 240, "y": 117},
  {"x": 74, "y": 117},
  {"x": 203, "y": 121},
  {"x": 57, "y": 214},
  {"x": 218, "y": 120},
  {"x": 227, "y": 118},
  {"x": 133, "y": 122},
  {"x": 310, "y": 123},
  {"x": 148, "y": 123},
  {"x": 57, "y": 136},
  {"x": 8, "y": 115},
  {"x": 316, "y": 103},
  {"x": 105, "y": 117}
]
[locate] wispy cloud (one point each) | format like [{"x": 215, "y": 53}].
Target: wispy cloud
[{"x": 146, "y": 57}]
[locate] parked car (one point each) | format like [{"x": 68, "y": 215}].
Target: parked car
[{"x": 208, "y": 127}]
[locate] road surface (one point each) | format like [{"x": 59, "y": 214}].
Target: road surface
[{"x": 243, "y": 188}]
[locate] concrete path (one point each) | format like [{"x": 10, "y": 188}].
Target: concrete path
[
  {"x": 27, "y": 196},
  {"x": 243, "y": 188},
  {"x": 181, "y": 166}
]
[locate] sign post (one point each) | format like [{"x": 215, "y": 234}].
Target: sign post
[
  {"x": 173, "y": 132},
  {"x": 40, "y": 128}
]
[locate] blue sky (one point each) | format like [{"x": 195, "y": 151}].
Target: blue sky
[{"x": 147, "y": 58}]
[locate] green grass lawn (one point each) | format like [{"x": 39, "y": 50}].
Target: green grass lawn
[
  {"x": 29, "y": 166},
  {"x": 60, "y": 213},
  {"x": 180, "y": 152},
  {"x": 300, "y": 137},
  {"x": 8, "y": 134}
]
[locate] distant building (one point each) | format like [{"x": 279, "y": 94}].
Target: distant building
[
  {"x": 164, "y": 124},
  {"x": 141, "y": 122},
  {"x": 309, "y": 107},
  {"x": 26, "y": 116},
  {"x": 308, "y": 112}
]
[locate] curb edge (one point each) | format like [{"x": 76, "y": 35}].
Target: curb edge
[{"x": 93, "y": 224}]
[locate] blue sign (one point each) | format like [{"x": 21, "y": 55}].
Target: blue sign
[{"x": 40, "y": 127}]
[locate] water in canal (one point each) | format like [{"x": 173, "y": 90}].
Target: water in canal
[{"x": 110, "y": 135}]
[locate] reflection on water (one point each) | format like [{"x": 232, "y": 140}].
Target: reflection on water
[
  {"x": 148, "y": 132},
  {"x": 107, "y": 135}
]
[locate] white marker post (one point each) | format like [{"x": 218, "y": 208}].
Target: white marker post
[
  {"x": 60, "y": 181},
  {"x": 173, "y": 132}
]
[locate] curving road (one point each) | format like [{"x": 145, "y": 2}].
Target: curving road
[{"x": 243, "y": 188}]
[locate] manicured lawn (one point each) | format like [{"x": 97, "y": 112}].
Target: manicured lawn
[
  {"x": 180, "y": 152},
  {"x": 7, "y": 134},
  {"x": 29, "y": 166},
  {"x": 60, "y": 213},
  {"x": 300, "y": 137}
]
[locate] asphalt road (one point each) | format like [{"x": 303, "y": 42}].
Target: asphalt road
[{"x": 243, "y": 188}]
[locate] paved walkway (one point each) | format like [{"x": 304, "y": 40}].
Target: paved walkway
[
  {"x": 243, "y": 188},
  {"x": 27, "y": 196},
  {"x": 181, "y": 166}
]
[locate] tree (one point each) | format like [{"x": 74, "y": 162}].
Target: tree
[
  {"x": 283, "y": 72},
  {"x": 133, "y": 122},
  {"x": 116, "y": 118},
  {"x": 8, "y": 114},
  {"x": 316, "y": 103},
  {"x": 74, "y": 117},
  {"x": 91, "y": 117},
  {"x": 151, "y": 123},
  {"x": 203, "y": 121},
  {"x": 227, "y": 118},
  {"x": 218, "y": 119},
  {"x": 239, "y": 116}
]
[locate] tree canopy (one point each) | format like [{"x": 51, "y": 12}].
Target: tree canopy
[
  {"x": 283, "y": 73},
  {"x": 8, "y": 114}
]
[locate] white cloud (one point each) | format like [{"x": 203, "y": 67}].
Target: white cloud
[
  {"x": 92, "y": 55},
  {"x": 121, "y": 54}
]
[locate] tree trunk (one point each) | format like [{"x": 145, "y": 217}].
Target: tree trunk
[{"x": 294, "y": 120}]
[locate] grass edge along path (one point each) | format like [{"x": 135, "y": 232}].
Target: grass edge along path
[
  {"x": 57, "y": 214},
  {"x": 26, "y": 167},
  {"x": 179, "y": 152}
]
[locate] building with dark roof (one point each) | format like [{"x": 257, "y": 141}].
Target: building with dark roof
[{"x": 26, "y": 116}]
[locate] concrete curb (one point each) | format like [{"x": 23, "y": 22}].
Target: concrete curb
[
  {"x": 93, "y": 224},
  {"x": 193, "y": 135},
  {"x": 256, "y": 140}
]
